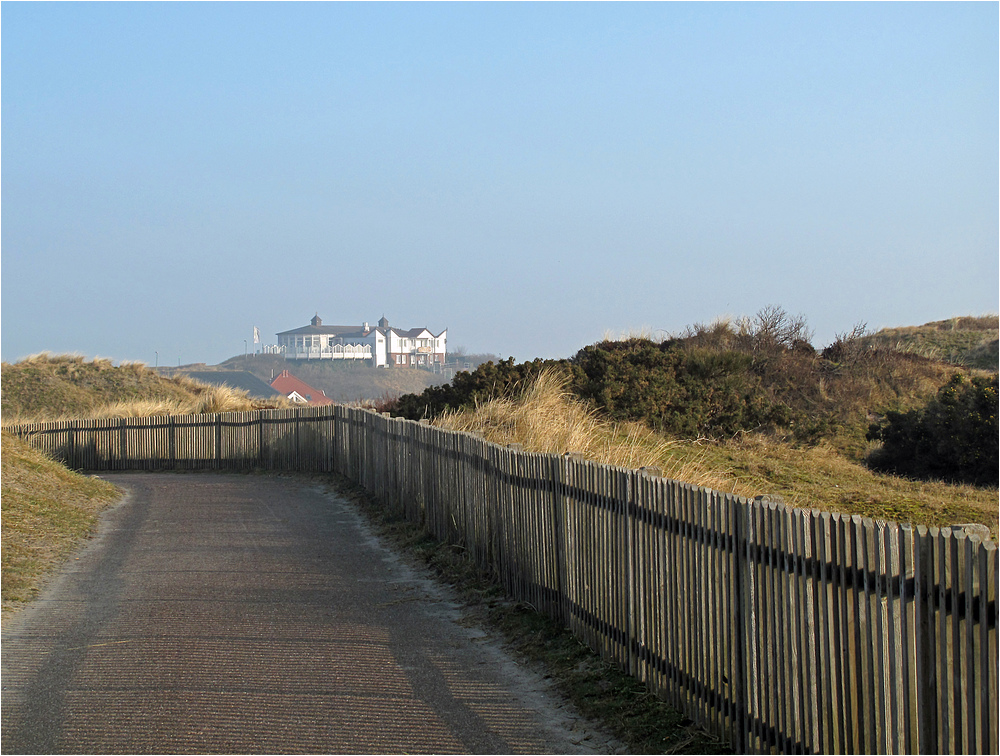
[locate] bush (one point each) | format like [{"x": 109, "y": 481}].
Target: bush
[
  {"x": 953, "y": 438},
  {"x": 685, "y": 391},
  {"x": 488, "y": 381}
]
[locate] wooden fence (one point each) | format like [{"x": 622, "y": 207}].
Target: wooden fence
[
  {"x": 293, "y": 439},
  {"x": 780, "y": 630}
]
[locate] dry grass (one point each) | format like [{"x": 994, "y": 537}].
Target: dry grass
[
  {"x": 47, "y": 387},
  {"x": 209, "y": 399},
  {"x": 821, "y": 477},
  {"x": 547, "y": 419},
  {"x": 47, "y": 511},
  {"x": 969, "y": 340}
]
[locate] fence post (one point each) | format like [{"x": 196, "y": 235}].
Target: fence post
[
  {"x": 557, "y": 474},
  {"x": 741, "y": 736},
  {"x": 924, "y": 641},
  {"x": 218, "y": 441},
  {"x": 297, "y": 464},
  {"x": 172, "y": 443},
  {"x": 638, "y": 524},
  {"x": 122, "y": 444},
  {"x": 260, "y": 439}
]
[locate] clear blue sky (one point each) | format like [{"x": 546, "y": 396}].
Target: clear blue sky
[{"x": 529, "y": 176}]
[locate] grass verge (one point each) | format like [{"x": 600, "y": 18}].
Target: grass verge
[
  {"x": 600, "y": 690},
  {"x": 47, "y": 511}
]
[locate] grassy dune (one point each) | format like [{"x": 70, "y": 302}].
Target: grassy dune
[
  {"x": 55, "y": 387},
  {"x": 47, "y": 511},
  {"x": 968, "y": 341}
]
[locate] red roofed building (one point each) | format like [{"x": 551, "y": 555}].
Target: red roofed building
[{"x": 299, "y": 391}]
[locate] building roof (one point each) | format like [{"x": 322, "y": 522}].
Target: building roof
[
  {"x": 323, "y": 330},
  {"x": 316, "y": 328},
  {"x": 287, "y": 384},
  {"x": 412, "y": 333}
]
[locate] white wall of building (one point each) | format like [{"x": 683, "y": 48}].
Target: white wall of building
[{"x": 382, "y": 347}]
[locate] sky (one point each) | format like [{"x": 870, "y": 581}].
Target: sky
[{"x": 532, "y": 177}]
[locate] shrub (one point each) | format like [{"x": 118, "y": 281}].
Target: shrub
[
  {"x": 488, "y": 381},
  {"x": 685, "y": 391},
  {"x": 953, "y": 438},
  {"x": 772, "y": 330}
]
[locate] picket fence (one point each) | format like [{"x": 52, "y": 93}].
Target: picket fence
[{"x": 779, "y": 630}]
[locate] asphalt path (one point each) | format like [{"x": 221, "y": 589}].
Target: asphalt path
[{"x": 254, "y": 614}]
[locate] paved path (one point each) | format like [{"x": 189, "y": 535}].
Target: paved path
[{"x": 250, "y": 614}]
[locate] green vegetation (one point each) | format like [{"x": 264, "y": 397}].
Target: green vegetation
[
  {"x": 47, "y": 512},
  {"x": 546, "y": 418},
  {"x": 598, "y": 689},
  {"x": 953, "y": 437}
]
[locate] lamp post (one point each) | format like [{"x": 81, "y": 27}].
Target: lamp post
[{"x": 156, "y": 362}]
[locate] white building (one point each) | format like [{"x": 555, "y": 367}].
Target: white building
[{"x": 382, "y": 346}]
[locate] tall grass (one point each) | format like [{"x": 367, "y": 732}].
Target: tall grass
[
  {"x": 545, "y": 418},
  {"x": 209, "y": 399}
]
